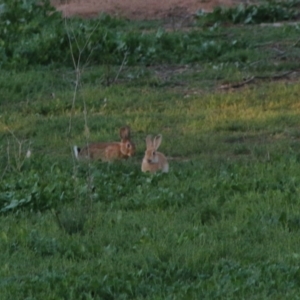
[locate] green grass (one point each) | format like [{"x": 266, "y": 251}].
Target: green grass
[{"x": 223, "y": 224}]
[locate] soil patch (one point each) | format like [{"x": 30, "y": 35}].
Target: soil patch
[{"x": 138, "y": 9}]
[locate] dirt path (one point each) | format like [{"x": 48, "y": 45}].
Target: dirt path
[{"x": 138, "y": 9}]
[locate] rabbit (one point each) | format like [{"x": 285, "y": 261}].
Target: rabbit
[
  {"x": 153, "y": 160},
  {"x": 108, "y": 151}
]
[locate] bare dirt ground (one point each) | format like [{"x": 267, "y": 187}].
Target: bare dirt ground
[{"x": 138, "y": 9}]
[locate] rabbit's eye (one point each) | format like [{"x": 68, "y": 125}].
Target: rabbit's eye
[
  {"x": 153, "y": 153},
  {"x": 128, "y": 145}
]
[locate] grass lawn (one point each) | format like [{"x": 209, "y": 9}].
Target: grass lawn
[{"x": 224, "y": 223}]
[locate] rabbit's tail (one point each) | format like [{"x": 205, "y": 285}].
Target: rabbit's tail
[{"x": 76, "y": 151}]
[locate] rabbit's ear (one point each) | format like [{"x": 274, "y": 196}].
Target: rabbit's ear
[
  {"x": 125, "y": 133},
  {"x": 149, "y": 141},
  {"x": 157, "y": 141}
]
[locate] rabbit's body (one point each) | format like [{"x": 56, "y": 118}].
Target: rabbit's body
[
  {"x": 155, "y": 165},
  {"x": 153, "y": 160},
  {"x": 108, "y": 151}
]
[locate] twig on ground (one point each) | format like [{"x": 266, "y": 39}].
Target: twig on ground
[
  {"x": 295, "y": 44},
  {"x": 79, "y": 68},
  {"x": 121, "y": 67},
  {"x": 251, "y": 79},
  {"x": 18, "y": 156},
  {"x": 280, "y": 52},
  {"x": 77, "y": 64},
  {"x": 276, "y": 76},
  {"x": 237, "y": 84}
]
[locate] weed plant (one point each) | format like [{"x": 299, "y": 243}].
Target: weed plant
[{"x": 267, "y": 11}]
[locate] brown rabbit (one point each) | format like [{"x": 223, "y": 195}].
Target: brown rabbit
[
  {"x": 153, "y": 160},
  {"x": 109, "y": 151}
]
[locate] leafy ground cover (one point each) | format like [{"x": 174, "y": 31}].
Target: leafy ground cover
[{"x": 223, "y": 224}]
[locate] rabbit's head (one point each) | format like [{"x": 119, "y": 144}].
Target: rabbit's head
[
  {"x": 152, "y": 145},
  {"x": 127, "y": 147}
]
